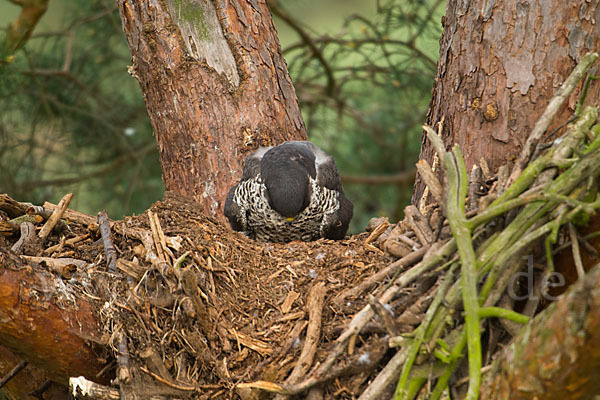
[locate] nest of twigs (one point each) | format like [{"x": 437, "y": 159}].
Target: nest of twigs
[{"x": 192, "y": 309}]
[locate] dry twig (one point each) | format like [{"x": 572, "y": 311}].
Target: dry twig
[
  {"x": 27, "y": 236},
  {"x": 56, "y": 216},
  {"x": 431, "y": 181},
  {"x": 109, "y": 247}
]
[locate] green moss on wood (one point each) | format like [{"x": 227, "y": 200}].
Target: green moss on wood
[{"x": 193, "y": 13}]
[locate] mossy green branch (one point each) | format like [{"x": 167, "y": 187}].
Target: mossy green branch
[
  {"x": 436, "y": 141},
  {"x": 456, "y": 354},
  {"x": 586, "y": 86},
  {"x": 562, "y": 185},
  {"x": 414, "y": 386},
  {"x": 500, "y": 209},
  {"x": 563, "y": 149},
  {"x": 596, "y": 142},
  {"x": 499, "y": 267},
  {"x": 553, "y": 237},
  {"x": 402, "y": 389},
  {"x": 499, "y": 312},
  {"x": 455, "y": 210}
]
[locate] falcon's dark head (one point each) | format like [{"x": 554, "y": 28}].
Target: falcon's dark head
[{"x": 285, "y": 170}]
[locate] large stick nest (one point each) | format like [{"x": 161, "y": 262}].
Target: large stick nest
[
  {"x": 189, "y": 308},
  {"x": 231, "y": 310}
]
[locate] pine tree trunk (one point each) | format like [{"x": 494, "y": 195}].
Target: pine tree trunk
[
  {"x": 500, "y": 63},
  {"x": 216, "y": 87}
]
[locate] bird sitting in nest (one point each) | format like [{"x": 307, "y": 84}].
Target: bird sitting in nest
[{"x": 289, "y": 192}]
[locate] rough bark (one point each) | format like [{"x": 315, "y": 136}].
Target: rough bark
[
  {"x": 45, "y": 325},
  {"x": 500, "y": 63},
  {"x": 557, "y": 356},
  {"x": 216, "y": 87}
]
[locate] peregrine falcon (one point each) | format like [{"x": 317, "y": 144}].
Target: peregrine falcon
[{"x": 289, "y": 192}]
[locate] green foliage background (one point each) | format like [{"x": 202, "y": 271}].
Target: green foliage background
[{"x": 73, "y": 120}]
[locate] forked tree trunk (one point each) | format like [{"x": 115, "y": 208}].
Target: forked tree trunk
[
  {"x": 500, "y": 63},
  {"x": 216, "y": 87}
]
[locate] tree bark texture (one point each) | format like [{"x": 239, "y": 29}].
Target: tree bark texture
[
  {"x": 45, "y": 325},
  {"x": 500, "y": 63},
  {"x": 216, "y": 87},
  {"x": 557, "y": 356}
]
